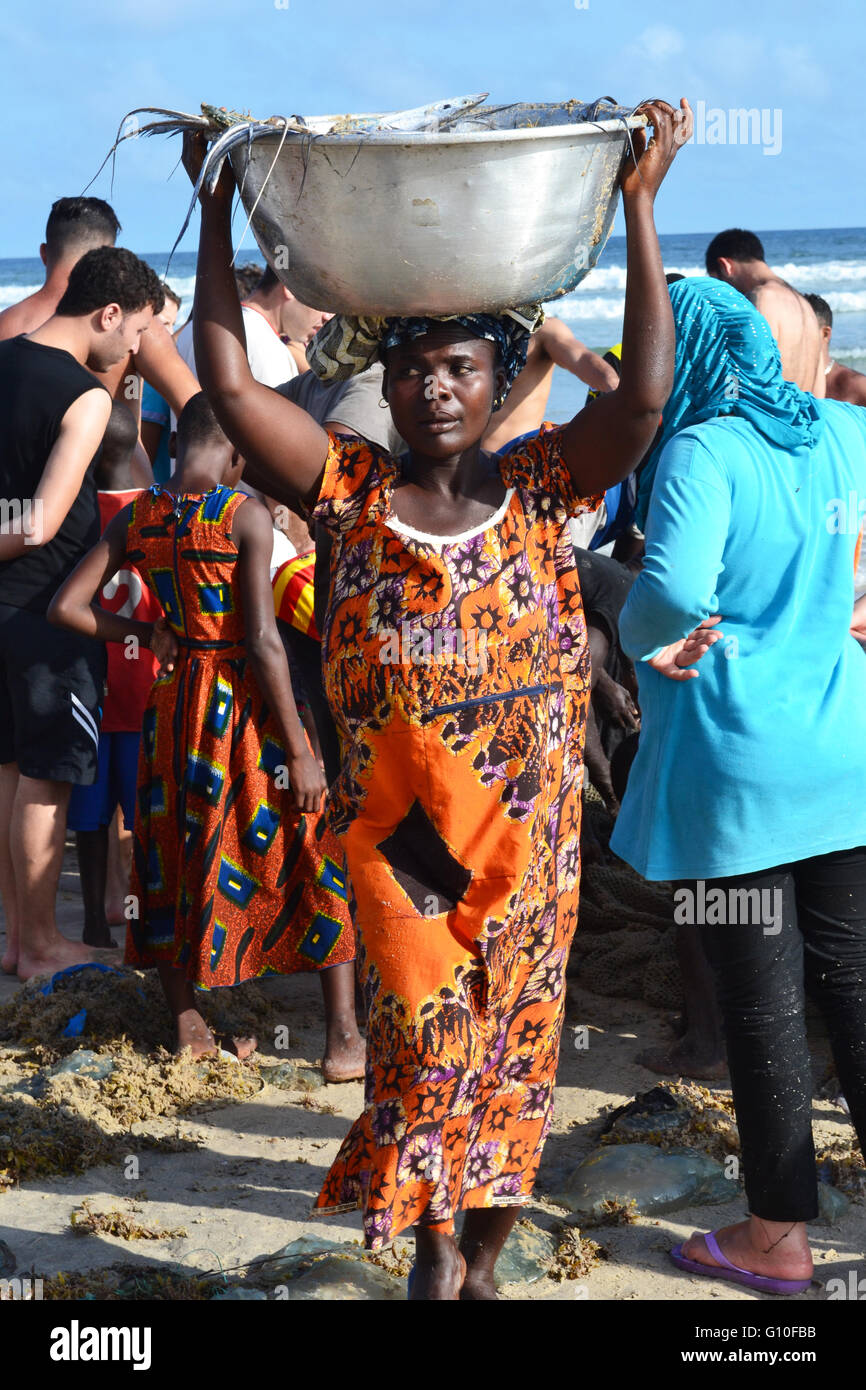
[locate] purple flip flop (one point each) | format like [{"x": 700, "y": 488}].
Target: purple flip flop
[{"x": 760, "y": 1282}]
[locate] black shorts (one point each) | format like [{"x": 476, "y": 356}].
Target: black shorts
[{"x": 51, "y": 684}]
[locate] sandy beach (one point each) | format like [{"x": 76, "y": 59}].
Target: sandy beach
[{"x": 242, "y": 1183}]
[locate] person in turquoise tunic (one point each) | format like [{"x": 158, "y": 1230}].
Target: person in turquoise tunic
[{"x": 749, "y": 786}]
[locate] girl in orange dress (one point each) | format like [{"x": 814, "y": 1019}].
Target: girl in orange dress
[
  {"x": 457, "y": 672},
  {"x": 235, "y": 873}
]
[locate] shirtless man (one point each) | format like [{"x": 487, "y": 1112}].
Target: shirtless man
[
  {"x": 77, "y": 225},
  {"x": 737, "y": 257},
  {"x": 553, "y": 345},
  {"x": 842, "y": 383}
]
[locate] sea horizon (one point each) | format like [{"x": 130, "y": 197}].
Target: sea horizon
[{"x": 829, "y": 261}]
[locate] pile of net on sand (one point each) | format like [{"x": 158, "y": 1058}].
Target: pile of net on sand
[{"x": 625, "y": 944}]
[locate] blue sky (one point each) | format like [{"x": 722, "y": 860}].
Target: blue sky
[{"x": 70, "y": 72}]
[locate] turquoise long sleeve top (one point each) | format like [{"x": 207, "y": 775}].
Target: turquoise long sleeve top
[{"x": 762, "y": 760}]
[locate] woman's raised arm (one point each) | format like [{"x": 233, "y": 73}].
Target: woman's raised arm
[
  {"x": 282, "y": 443},
  {"x": 609, "y": 437}
]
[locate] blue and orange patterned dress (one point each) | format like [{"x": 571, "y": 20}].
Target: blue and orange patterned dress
[
  {"x": 457, "y": 669},
  {"x": 231, "y": 881}
]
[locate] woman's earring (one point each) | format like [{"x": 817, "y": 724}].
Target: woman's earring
[{"x": 383, "y": 405}]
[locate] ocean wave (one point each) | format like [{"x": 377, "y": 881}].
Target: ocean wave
[
  {"x": 811, "y": 276},
  {"x": 846, "y": 301},
  {"x": 183, "y": 286},
  {"x": 11, "y": 294},
  {"x": 824, "y": 272},
  {"x": 583, "y": 307},
  {"x": 612, "y": 277}
]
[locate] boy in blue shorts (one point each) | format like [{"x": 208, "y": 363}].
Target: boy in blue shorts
[{"x": 131, "y": 673}]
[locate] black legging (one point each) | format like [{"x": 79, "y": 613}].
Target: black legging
[{"x": 762, "y": 977}]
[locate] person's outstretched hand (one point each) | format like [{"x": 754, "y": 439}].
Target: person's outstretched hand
[
  {"x": 193, "y": 156},
  {"x": 671, "y": 129},
  {"x": 674, "y": 660}
]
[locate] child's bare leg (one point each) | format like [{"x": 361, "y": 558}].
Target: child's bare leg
[
  {"x": 700, "y": 1052},
  {"x": 8, "y": 892},
  {"x": 92, "y": 847},
  {"x": 119, "y": 868},
  {"x": 192, "y": 1031},
  {"x": 344, "y": 1046}
]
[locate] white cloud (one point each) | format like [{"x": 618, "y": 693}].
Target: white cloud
[
  {"x": 660, "y": 42},
  {"x": 798, "y": 70}
]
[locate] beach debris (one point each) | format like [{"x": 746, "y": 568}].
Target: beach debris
[
  {"x": 656, "y": 1111},
  {"x": 527, "y": 1255},
  {"x": 84, "y": 1221},
  {"x": 292, "y": 1076},
  {"x": 84, "y": 1062},
  {"x": 238, "y": 1293},
  {"x": 342, "y": 1278},
  {"x": 655, "y": 1180},
  {"x": 681, "y": 1113},
  {"x": 613, "y": 1213},
  {"x": 76, "y": 1024},
  {"x": 312, "y": 1268},
  {"x": 66, "y": 1121},
  {"x": 123, "y": 1004},
  {"x": 841, "y": 1164},
  {"x": 832, "y": 1204},
  {"x": 575, "y": 1255},
  {"x": 138, "y": 1283},
  {"x": 297, "y": 1257},
  {"x": 37, "y": 1140}
]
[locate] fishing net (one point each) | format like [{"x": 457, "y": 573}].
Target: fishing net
[{"x": 625, "y": 946}]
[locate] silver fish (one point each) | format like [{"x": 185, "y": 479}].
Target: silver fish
[{"x": 435, "y": 116}]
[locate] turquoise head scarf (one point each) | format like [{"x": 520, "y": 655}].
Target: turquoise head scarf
[{"x": 727, "y": 363}]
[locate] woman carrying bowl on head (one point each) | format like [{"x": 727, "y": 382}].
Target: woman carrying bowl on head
[{"x": 457, "y": 671}]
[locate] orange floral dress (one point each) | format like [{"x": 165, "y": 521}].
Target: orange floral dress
[
  {"x": 457, "y": 670},
  {"x": 232, "y": 881}
]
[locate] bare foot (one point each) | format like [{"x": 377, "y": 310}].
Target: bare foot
[
  {"x": 684, "y": 1059},
  {"x": 439, "y": 1280},
  {"x": 193, "y": 1032},
  {"x": 344, "y": 1057},
  {"x": 242, "y": 1048},
  {"x": 779, "y": 1250},
  {"x": 59, "y": 955},
  {"x": 479, "y": 1286}
]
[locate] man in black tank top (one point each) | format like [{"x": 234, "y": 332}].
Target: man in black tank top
[{"x": 53, "y": 414}]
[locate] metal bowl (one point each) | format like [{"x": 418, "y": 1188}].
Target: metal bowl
[{"x": 466, "y": 221}]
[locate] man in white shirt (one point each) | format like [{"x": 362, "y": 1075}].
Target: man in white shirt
[{"x": 271, "y": 314}]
